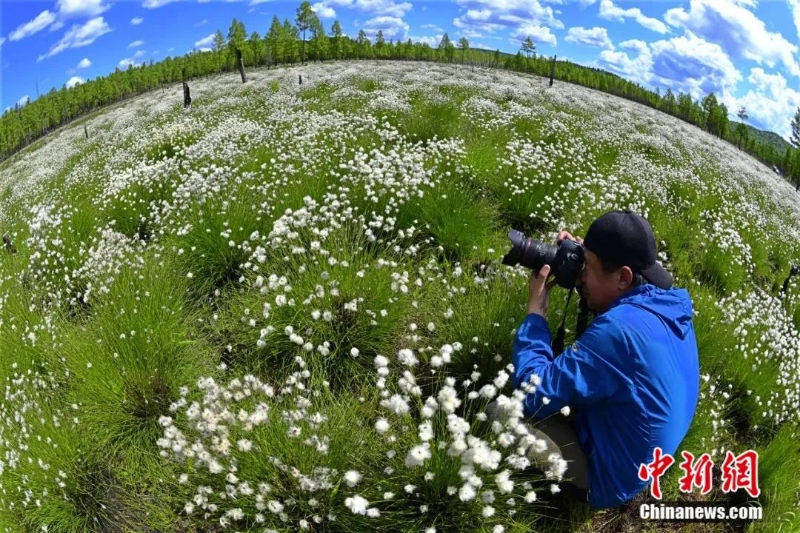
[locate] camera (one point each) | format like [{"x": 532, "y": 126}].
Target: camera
[{"x": 565, "y": 260}]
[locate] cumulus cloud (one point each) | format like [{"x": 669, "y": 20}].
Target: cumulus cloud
[
  {"x": 737, "y": 30},
  {"x": 377, "y": 8},
  {"x": 74, "y": 80},
  {"x": 609, "y": 11},
  {"x": 591, "y": 37},
  {"x": 393, "y": 28},
  {"x": 78, "y": 36},
  {"x": 127, "y": 62},
  {"x": 24, "y": 100},
  {"x": 139, "y": 53},
  {"x": 205, "y": 41},
  {"x": 770, "y": 102},
  {"x": 82, "y": 8},
  {"x": 687, "y": 64},
  {"x": 42, "y": 20},
  {"x": 794, "y": 5},
  {"x": 2, "y": 40},
  {"x": 523, "y": 18},
  {"x": 136, "y": 44},
  {"x": 433, "y": 42},
  {"x": 85, "y": 63},
  {"x": 137, "y": 20},
  {"x": 538, "y": 34},
  {"x": 323, "y": 11}
]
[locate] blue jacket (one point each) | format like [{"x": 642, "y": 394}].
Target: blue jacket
[{"x": 633, "y": 377}]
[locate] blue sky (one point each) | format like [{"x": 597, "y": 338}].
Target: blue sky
[{"x": 745, "y": 51}]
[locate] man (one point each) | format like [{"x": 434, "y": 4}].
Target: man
[{"x": 631, "y": 379}]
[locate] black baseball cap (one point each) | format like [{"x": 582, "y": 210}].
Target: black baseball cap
[{"x": 623, "y": 238}]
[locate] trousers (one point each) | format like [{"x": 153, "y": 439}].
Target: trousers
[{"x": 557, "y": 432}]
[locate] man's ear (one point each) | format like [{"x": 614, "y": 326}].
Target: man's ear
[{"x": 625, "y": 278}]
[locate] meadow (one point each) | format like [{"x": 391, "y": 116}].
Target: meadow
[{"x": 284, "y": 309}]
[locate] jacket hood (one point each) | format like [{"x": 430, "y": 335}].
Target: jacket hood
[{"x": 673, "y": 306}]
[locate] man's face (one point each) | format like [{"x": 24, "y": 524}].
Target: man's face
[{"x": 599, "y": 289}]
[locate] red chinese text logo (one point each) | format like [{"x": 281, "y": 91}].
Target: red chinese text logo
[
  {"x": 741, "y": 472},
  {"x": 655, "y": 470},
  {"x": 738, "y": 472}
]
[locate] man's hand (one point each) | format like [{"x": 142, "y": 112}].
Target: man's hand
[
  {"x": 566, "y": 235},
  {"x": 539, "y": 295}
]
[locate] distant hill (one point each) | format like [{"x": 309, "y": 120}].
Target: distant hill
[{"x": 769, "y": 137}]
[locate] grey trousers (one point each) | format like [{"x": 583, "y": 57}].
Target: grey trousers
[{"x": 560, "y": 437}]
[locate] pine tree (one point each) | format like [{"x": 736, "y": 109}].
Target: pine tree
[
  {"x": 304, "y": 20},
  {"x": 463, "y": 45},
  {"x": 795, "y": 139}
]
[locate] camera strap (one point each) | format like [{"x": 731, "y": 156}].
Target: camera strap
[
  {"x": 583, "y": 319},
  {"x": 558, "y": 343}
]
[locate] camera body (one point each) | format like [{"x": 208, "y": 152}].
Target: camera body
[{"x": 565, "y": 260}]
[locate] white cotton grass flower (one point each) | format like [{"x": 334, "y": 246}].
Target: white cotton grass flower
[
  {"x": 382, "y": 425},
  {"x": 426, "y": 431},
  {"x": 352, "y": 478},
  {"x": 357, "y": 504},
  {"x": 418, "y": 455}
]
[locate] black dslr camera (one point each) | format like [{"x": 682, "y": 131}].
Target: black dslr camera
[{"x": 565, "y": 260}]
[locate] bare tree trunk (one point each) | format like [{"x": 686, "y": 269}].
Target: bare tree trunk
[
  {"x": 552, "y": 71},
  {"x": 240, "y": 63}
]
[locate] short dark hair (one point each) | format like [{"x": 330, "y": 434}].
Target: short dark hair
[{"x": 638, "y": 278}]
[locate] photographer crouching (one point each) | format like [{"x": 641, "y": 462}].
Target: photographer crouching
[{"x": 631, "y": 380}]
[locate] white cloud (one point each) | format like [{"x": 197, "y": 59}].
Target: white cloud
[
  {"x": 43, "y": 20},
  {"x": 636, "y": 45},
  {"x": 437, "y": 29},
  {"x": 202, "y": 22},
  {"x": 2, "y": 40},
  {"x": 393, "y": 28},
  {"x": 386, "y": 8},
  {"x": 737, "y": 30},
  {"x": 323, "y": 11},
  {"x": 596, "y": 36},
  {"x": 85, "y": 63},
  {"x": 524, "y": 18},
  {"x": 609, "y": 11},
  {"x": 74, "y": 80},
  {"x": 794, "y": 5},
  {"x": 433, "y": 42},
  {"x": 79, "y": 36},
  {"x": 139, "y": 53},
  {"x": 152, "y": 4},
  {"x": 127, "y": 62},
  {"x": 686, "y": 64},
  {"x": 770, "y": 103},
  {"x": 136, "y": 44},
  {"x": 81, "y": 8},
  {"x": 538, "y": 34},
  {"x": 205, "y": 41},
  {"x": 137, "y": 20},
  {"x": 23, "y": 101}
]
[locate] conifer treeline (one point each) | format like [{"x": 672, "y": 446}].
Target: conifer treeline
[{"x": 306, "y": 39}]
